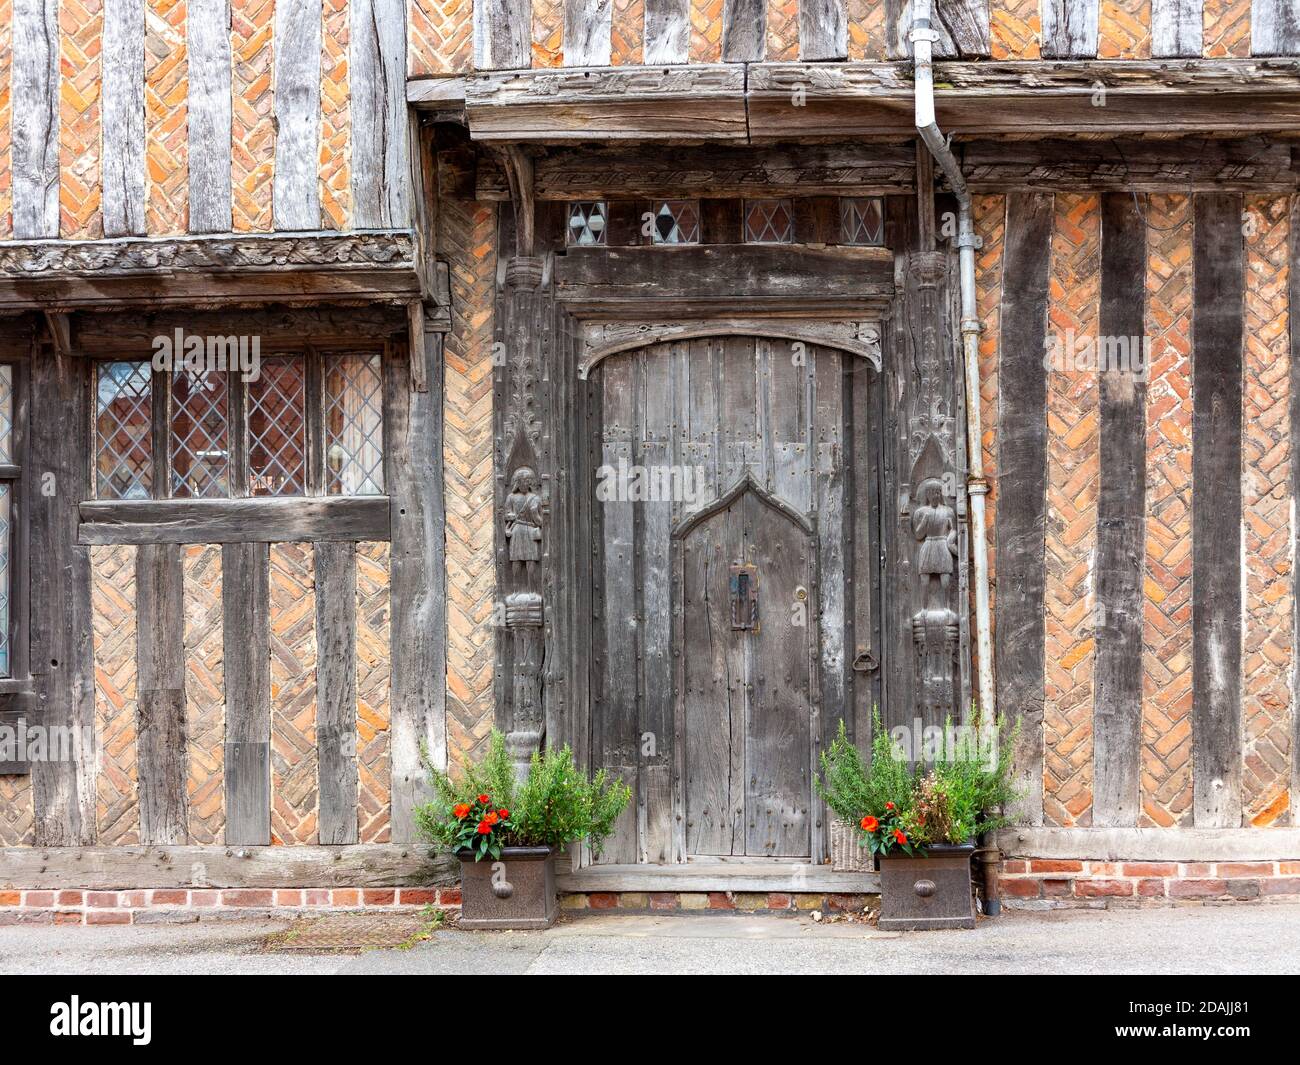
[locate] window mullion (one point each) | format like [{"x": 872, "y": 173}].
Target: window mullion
[
  {"x": 314, "y": 400},
  {"x": 237, "y": 433},
  {"x": 161, "y": 434}
]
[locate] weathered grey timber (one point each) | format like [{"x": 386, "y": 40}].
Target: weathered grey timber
[
  {"x": 417, "y": 592},
  {"x": 229, "y": 521},
  {"x": 135, "y": 329},
  {"x": 122, "y": 165},
  {"x": 296, "y": 195},
  {"x": 587, "y": 26},
  {"x": 336, "y": 689},
  {"x": 245, "y": 598},
  {"x": 823, "y": 30},
  {"x": 1177, "y": 27},
  {"x": 1121, "y": 509},
  {"x": 1217, "y": 328},
  {"x": 744, "y": 26},
  {"x": 220, "y": 866},
  {"x": 1294, "y": 302},
  {"x": 1274, "y": 27},
  {"x": 207, "y": 43},
  {"x": 1069, "y": 29},
  {"x": 667, "y": 31},
  {"x": 61, "y": 657},
  {"x": 1022, "y": 486},
  {"x": 34, "y": 87},
  {"x": 377, "y": 75},
  {"x": 962, "y": 26},
  {"x": 160, "y": 682},
  {"x": 502, "y": 34}
]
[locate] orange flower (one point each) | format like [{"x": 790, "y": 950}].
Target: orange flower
[
  {"x": 503, "y": 813},
  {"x": 889, "y": 806},
  {"x": 484, "y": 799},
  {"x": 484, "y": 828},
  {"x": 461, "y": 810},
  {"x": 490, "y": 818},
  {"x": 870, "y": 824},
  {"x": 898, "y": 835}
]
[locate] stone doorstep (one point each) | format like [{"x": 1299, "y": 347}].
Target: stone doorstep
[{"x": 713, "y": 903}]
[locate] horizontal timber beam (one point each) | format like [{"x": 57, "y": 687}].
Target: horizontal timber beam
[
  {"x": 208, "y": 271},
  {"x": 117, "y": 868},
  {"x": 1153, "y": 844},
  {"x": 823, "y": 101},
  {"x": 233, "y": 521}
]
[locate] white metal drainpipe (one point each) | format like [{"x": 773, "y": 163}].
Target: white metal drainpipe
[{"x": 923, "y": 38}]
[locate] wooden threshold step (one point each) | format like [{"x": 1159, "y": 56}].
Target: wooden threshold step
[{"x": 718, "y": 876}]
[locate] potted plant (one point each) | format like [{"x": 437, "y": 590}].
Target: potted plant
[
  {"x": 506, "y": 832},
  {"x": 919, "y": 824}
]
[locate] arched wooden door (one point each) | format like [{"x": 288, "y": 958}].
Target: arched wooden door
[{"x": 721, "y": 468}]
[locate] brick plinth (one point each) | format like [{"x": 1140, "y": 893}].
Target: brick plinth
[
  {"x": 1043, "y": 884},
  {"x": 181, "y": 905}
]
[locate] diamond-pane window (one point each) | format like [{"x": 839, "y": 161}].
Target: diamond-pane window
[
  {"x": 200, "y": 435},
  {"x": 769, "y": 222},
  {"x": 676, "y": 222},
  {"x": 587, "y": 224},
  {"x": 354, "y": 426},
  {"x": 6, "y": 413},
  {"x": 277, "y": 428},
  {"x": 6, "y": 539},
  {"x": 123, "y": 424},
  {"x": 862, "y": 220}
]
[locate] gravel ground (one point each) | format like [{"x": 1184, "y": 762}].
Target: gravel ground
[{"x": 1209, "y": 939}]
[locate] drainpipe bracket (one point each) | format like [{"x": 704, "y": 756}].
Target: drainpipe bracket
[
  {"x": 972, "y": 325},
  {"x": 977, "y": 486},
  {"x": 921, "y": 32}
]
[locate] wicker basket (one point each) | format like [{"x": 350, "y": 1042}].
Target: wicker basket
[{"x": 847, "y": 853}]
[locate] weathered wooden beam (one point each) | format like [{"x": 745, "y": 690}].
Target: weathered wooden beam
[
  {"x": 502, "y": 34},
  {"x": 246, "y": 635},
  {"x": 160, "y": 673},
  {"x": 823, "y": 30},
  {"x": 336, "y": 690},
  {"x": 377, "y": 77},
  {"x": 234, "y": 521},
  {"x": 763, "y": 272},
  {"x": 1217, "y": 328},
  {"x": 123, "y": 118},
  {"x": 1152, "y": 844},
  {"x": 744, "y": 30},
  {"x": 1022, "y": 486},
  {"x": 962, "y": 26},
  {"x": 296, "y": 194},
  {"x": 34, "y": 88},
  {"x": 220, "y": 866},
  {"x": 668, "y": 31},
  {"x": 1176, "y": 28},
  {"x": 1069, "y": 28},
  {"x": 1121, "y": 508},
  {"x": 716, "y": 876},
  {"x": 587, "y": 28},
  {"x": 1274, "y": 27},
  {"x": 417, "y": 588},
  {"x": 207, "y": 44},
  {"x": 134, "y": 330}
]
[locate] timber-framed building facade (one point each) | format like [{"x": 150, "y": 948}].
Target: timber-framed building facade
[{"x": 674, "y": 379}]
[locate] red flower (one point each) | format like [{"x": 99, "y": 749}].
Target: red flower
[
  {"x": 484, "y": 828},
  {"x": 503, "y": 813},
  {"x": 898, "y": 835},
  {"x": 484, "y": 799},
  {"x": 461, "y": 810},
  {"x": 889, "y": 806},
  {"x": 870, "y": 824},
  {"x": 490, "y": 818}
]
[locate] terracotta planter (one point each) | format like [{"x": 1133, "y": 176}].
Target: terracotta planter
[
  {"x": 516, "y": 891},
  {"x": 921, "y": 893}
]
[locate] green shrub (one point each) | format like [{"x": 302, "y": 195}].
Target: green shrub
[{"x": 487, "y": 809}]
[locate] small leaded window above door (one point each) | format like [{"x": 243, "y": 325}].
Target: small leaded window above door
[
  {"x": 862, "y": 220},
  {"x": 587, "y": 227},
  {"x": 769, "y": 221},
  {"x": 675, "y": 222}
]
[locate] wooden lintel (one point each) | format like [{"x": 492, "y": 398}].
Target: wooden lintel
[
  {"x": 823, "y": 101},
  {"x": 220, "y": 866},
  {"x": 225, "y": 521}
]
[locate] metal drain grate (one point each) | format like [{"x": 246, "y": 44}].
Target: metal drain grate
[{"x": 350, "y": 933}]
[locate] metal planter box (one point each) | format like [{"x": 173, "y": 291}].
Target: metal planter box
[
  {"x": 922, "y": 893},
  {"x": 517, "y": 891}
]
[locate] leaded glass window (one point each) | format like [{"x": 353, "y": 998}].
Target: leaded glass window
[
  {"x": 277, "y": 428},
  {"x": 676, "y": 222},
  {"x": 587, "y": 224},
  {"x": 6, "y": 552},
  {"x": 13, "y": 657},
  {"x": 769, "y": 222},
  {"x": 354, "y": 425},
  {"x": 200, "y": 430},
  {"x": 862, "y": 220},
  {"x": 123, "y": 430}
]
